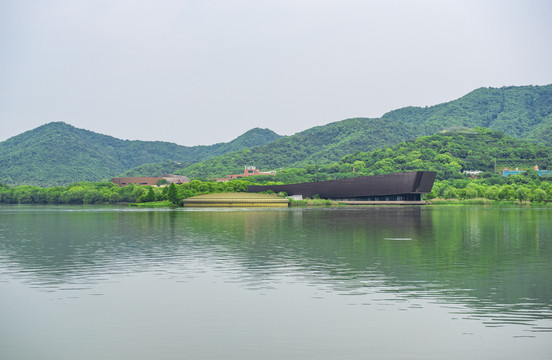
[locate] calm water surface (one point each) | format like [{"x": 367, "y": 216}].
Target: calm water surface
[{"x": 347, "y": 283}]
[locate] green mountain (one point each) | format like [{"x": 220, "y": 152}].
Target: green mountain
[
  {"x": 447, "y": 152},
  {"x": 522, "y": 112},
  {"x": 321, "y": 144},
  {"x": 450, "y": 152},
  {"x": 58, "y": 154}
]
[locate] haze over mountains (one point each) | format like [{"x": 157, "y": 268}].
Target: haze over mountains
[{"x": 58, "y": 153}]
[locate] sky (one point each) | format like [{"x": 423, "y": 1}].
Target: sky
[{"x": 205, "y": 71}]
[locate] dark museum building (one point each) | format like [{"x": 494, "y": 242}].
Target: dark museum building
[{"x": 408, "y": 186}]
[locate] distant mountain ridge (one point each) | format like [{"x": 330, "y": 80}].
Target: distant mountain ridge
[
  {"x": 321, "y": 144},
  {"x": 58, "y": 153},
  {"x": 523, "y": 112}
]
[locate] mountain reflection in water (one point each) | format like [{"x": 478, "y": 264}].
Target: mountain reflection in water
[{"x": 491, "y": 265}]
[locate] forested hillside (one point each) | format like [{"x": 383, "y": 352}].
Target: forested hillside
[
  {"x": 447, "y": 153},
  {"x": 522, "y": 112},
  {"x": 58, "y": 154},
  {"x": 317, "y": 145}
]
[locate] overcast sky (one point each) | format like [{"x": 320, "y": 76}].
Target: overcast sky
[{"x": 205, "y": 71}]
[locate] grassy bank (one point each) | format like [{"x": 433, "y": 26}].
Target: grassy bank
[
  {"x": 313, "y": 202},
  {"x": 153, "y": 204}
]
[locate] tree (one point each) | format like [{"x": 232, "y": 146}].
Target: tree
[
  {"x": 492, "y": 192},
  {"x": 148, "y": 197},
  {"x": 114, "y": 198},
  {"x": 452, "y": 168},
  {"x": 92, "y": 196},
  {"x": 173, "y": 194},
  {"x": 506, "y": 192},
  {"x": 450, "y": 193},
  {"x": 470, "y": 192},
  {"x": 539, "y": 195},
  {"x": 359, "y": 166},
  {"x": 522, "y": 194}
]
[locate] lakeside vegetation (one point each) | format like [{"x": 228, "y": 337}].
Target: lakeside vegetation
[
  {"x": 85, "y": 193},
  {"x": 517, "y": 189},
  {"x": 447, "y": 153}
]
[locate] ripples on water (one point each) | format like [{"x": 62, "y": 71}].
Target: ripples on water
[{"x": 489, "y": 266}]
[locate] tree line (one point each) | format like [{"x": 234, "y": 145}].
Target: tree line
[
  {"x": 447, "y": 153},
  {"x": 524, "y": 187},
  {"x": 89, "y": 193}
]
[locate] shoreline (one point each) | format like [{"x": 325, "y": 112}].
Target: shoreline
[
  {"x": 483, "y": 202},
  {"x": 429, "y": 203}
]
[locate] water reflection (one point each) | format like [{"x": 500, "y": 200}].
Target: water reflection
[{"x": 491, "y": 265}]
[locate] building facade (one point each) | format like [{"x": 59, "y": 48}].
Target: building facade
[
  {"x": 506, "y": 172},
  {"x": 249, "y": 171},
  {"x": 407, "y": 187}
]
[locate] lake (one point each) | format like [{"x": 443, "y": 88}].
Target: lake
[{"x": 293, "y": 283}]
